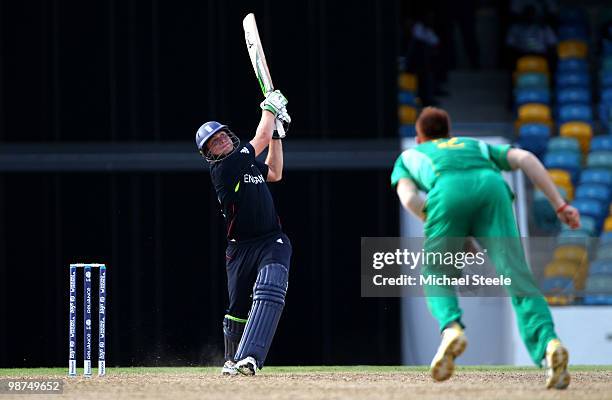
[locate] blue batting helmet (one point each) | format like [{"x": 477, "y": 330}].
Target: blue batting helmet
[{"x": 206, "y": 131}]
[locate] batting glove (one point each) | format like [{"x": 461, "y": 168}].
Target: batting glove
[
  {"x": 274, "y": 102},
  {"x": 284, "y": 117}
]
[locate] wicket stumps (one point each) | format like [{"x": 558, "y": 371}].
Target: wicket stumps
[{"x": 87, "y": 321}]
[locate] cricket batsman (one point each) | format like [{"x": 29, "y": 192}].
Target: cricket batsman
[
  {"x": 468, "y": 197},
  {"x": 258, "y": 252}
]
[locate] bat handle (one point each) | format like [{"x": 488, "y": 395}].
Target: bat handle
[{"x": 280, "y": 128}]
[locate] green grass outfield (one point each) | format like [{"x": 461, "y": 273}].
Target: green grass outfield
[{"x": 61, "y": 372}]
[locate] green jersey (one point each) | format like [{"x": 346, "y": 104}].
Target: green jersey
[{"x": 424, "y": 163}]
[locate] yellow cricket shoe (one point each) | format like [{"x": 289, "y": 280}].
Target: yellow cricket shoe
[
  {"x": 557, "y": 358},
  {"x": 452, "y": 346}
]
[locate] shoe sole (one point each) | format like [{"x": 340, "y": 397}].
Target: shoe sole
[
  {"x": 443, "y": 368},
  {"x": 228, "y": 372},
  {"x": 246, "y": 370},
  {"x": 560, "y": 378}
]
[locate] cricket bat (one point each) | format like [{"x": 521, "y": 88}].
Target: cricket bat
[{"x": 258, "y": 59}]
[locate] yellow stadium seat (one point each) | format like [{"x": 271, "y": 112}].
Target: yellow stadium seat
[
  {"x": 562, "y": 268},
  {"x": 560, "y": 177},
  {"x": 608, "y": 224},
  {"x": 572, "y": 49},
  {"x": 559, "y": 300},
  {"x": 580, "y": 131},
  {"x": 407, "y": 81},
  {"x": 532, "y": 64},
  {"x": 563, "y": 179},
  {"x": 407, "y": 114},
  {"x": 572, "y": 253},
  {"x": 533, "y": 112}
]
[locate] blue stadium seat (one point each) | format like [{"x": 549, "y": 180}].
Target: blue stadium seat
[
  {"x": 576, "y": 96},
  {"x": 594, "y": 191},
  {"x": 407, "y": 130},
  {"x": 600, "y": 159},
  {"x": 605, "y": 106},
  {"x": 558, "y": 285},
  {"x": 563, "y": 144},
  {"x": 572, "y": 16},
  {"x": 588, "y": 225},
  {"x": 573, "y": 79},
  {"x": 601, "y": 143},
  {"x": 534, "y": 137},
  {"x": 578, "y": 237},
  {"x": 573, "y": 31},
  {"x": 598, "y": 290},
  {"x": 566, "y": 160},
  {"x": 597, "y": 176},
  {"x": 532, "y": 80},
  {"x": 605, "y": 238},
  {"x": 572, "y": 65},
  {"x": 601, "y": 267},
  {"x": 606, "y": 80},
  {"x": 524, "y": 96},
  {"x": 544, "y": 215},
  {"x": 591, "y": 208},
  {"x": 606, "y": 63},
  {"x": 604, "y": 252},
  {"x": 575, "y": 112},
  {"x": 406, "y": 97}
]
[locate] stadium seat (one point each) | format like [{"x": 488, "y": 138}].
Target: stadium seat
[
  {"x": 572, "y": 49},
  {"x": 606, "y": 63},
  {"x": 406, "y": 97},
  {"x": 605, "y": 106},
  {"x": 606, "y": 80},
  {"x": 574, "y": 95},
  {"x": 563, "y": 144},
  {"x": 407, "y": 130},
  {"x": 407, "y": 82},
  {"x": 607, "y": 47},
  {"x": 591, "y": 208},
  {"x": 575, "y": 112},
  {"x": 602, "y": 143},
  {"x": 534, "y": 113},
  {"x": 544, "y": 215},
  {"x": 524, "y": 96},
  {"x": 577, "y": 237},
  {"x": 597, "y": 176},
  {"x": 600, "y": 159},
  {"x": 587, "y": 223},
  {"x": 573, "y": 65},
  {"x": 407, "y": 114},
  {"x": 581, "y": 131},
  {"x": 608, "y": 224},
  {"x": 532, "y": 64},
  {"x": 605, "y": 238},
  {"x": 572, "y": 16},
  {"x": 534, "y": 137},
  {"x": 594, "y": 191},
  {"x": 532, "y": 80},
  {"x": 604, "y": 252},
  {"x": 565, "y": 160},
  {"x": 598, "y": 290},
  {"x": 573, "y": 80},
  {"x": 573, "y": 32},
  {"x": 563, "y": 179},
  {"x": 601, "y": 267},
  {"x": 561, "y": 268}
]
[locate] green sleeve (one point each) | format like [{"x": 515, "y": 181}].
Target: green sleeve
[
  {"x": 499, "y": 156},
  {"x": 399, "y": 171}
]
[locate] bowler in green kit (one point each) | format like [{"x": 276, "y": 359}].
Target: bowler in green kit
[{"x": 468, "y": 197}]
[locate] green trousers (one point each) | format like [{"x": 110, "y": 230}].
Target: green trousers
[{"x": 478, "y": 203}]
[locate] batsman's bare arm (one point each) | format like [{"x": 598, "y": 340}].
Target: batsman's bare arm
[
  {"x": 538, "y": 175},
  {"x": 274, "y": 160},
  {"x": 410, "y": 198},
  {"x": 264, "y": 131}
]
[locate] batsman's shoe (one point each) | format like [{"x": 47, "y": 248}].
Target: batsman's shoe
[
  {"x": 229, "y": 368},
  {"x": 453, "y": 344},
  {"x": 557, "y": 358},
  {"x": 247, "y": 366}
]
